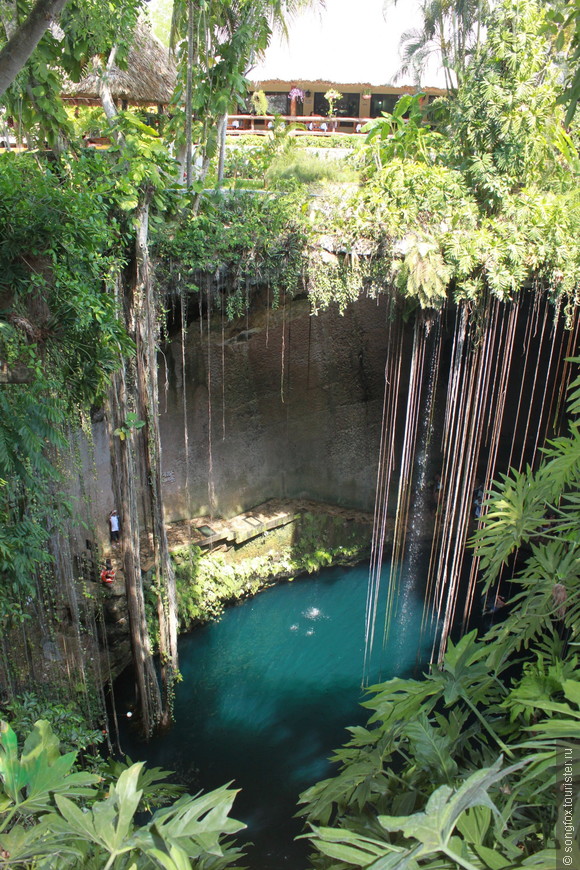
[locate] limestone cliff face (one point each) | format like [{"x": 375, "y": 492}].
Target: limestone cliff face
[{"x": 282, "y": 404}]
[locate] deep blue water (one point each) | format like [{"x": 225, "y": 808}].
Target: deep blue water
[{"x": 267, "y": 694}]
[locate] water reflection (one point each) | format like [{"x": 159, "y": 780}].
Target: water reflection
[{"x": 268, "y": 693}]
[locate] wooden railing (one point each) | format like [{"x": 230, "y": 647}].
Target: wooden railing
[
  {"x": 314, "y": 125},
  {"x": 260, "y": 125}
]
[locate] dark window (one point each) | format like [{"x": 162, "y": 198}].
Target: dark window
[
  {"x": 382, "y": 103},
  {"x": 278, "y": 104},
  {"x": 347, "y": 107}
]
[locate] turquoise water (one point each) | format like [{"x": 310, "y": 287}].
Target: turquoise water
[{"x": 266, "y": 696}]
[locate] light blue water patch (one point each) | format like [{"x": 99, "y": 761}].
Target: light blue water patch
[{"x": 268, "y": 691}]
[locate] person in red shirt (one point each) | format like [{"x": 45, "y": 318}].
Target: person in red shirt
[{"x": 108, "y": 574}]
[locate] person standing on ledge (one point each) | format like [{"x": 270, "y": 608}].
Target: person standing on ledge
[{"x": 114, "y": 527}]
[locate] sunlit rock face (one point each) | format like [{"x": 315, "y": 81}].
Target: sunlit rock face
[
  {"x": 285, "y": 404},
  {"x": 281, "y": 404}
]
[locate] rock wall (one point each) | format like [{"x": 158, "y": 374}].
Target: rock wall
[{"x": 279, "y": 404}]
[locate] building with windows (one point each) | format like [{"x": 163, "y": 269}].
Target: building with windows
[{"x": 353, "y": 49}]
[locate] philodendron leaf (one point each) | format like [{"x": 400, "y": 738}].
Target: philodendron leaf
[
  {"x": 491, "y": 858},
  {"x": 13, "y": 775},
  {"x": 434, "y": 827},
  {"x": 428, "y": 827},
  {"x": 348, "y": 854},
  {"x": 565, "y": 728},
  {"x": 353, "y": 848},
  {"x": 41, "y": 741},
  {"x": 128, "y": 797},
  {"x": 49, "y": 780},
  {"x": 544, "y": 860},
  {"x": 174, "y": 859},
  {"x": 105, "y": 816},
  {"x": 26, "y": 845},
  {"x": 474, "y": 823},
  {"x": 78, "y": 822},
  {"x": 431, "y": 746},
  {"x": 206, "y": 814},
  {"x": 572, "y": 691},
  {"x": 41, "y": 771}
]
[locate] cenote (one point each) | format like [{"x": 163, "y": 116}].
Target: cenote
[{"x": 267, "y": 694}]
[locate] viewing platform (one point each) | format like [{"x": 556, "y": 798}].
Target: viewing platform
[
  {"x": 212, "y": 533},
  {"x": 314, "y": 125}
]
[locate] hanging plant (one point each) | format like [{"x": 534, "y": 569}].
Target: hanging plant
[
  {"x": 259, "y": 103},
  {"x": 296, "y": 94},
  {"x": 332, "y": 97}
]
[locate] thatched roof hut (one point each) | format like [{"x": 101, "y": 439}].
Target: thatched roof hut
[{"x": 148, "y": 80}]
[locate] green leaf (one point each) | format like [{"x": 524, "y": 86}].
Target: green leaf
[
  {"x": 80, "y": 823},
  {"x": 14, "y": 776},
  {"x": 492, "y": 858},
  {"x": 354, "y": 848},
  {"x": 474, "y": 824},
  {"x": 572, "y": 691},
  {"x": 432, "y": 748},
  {"x": 434, "y": 827},
  {"x": 349, "y": 854},
  {"x": 128, "y": 797}
]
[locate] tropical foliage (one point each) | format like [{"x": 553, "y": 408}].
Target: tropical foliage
[
  {"x": 450, "y": 32},
  {"x": 403, "y": 133},
  {"x": 52, "y": 816},
  {"x": 537, "y": 513},
  {"x": 460, "y": 768},
  {"x": 218, "y": 42},
  {"x": 489, "y": 205},
  {"x": 65, "y": 717},
  {"x": 59, "y": 341},
  {"x": 563, "y": 21},
  {"x": 86, "y": 28},
  {"x": 254, "y": 241}
]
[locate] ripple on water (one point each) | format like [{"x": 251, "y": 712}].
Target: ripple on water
[{"x": 268, "y": 692}]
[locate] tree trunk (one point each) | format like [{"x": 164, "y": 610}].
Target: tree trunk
[
  {"x": 9, "y": 17},
  {"x": 202, "y": 176},
  {"x": 106, "y": 97},
  {"x": 222, "y": 127},
  {"x": 25, "y": 39},
  {"x": 148, "y": 404},
  {"x": 124, "y": 473},
  {"x": 189, "y": 95},
  {"x": 145, "y": 465},
  {"x": 17, "y": 373}
]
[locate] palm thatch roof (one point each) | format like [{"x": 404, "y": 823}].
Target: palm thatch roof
[{"x": 149, "y": 78}]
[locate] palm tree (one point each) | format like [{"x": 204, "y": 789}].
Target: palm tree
[
  {"x": 451, "y": 29},
  {"x": 222, "y": 38}
]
